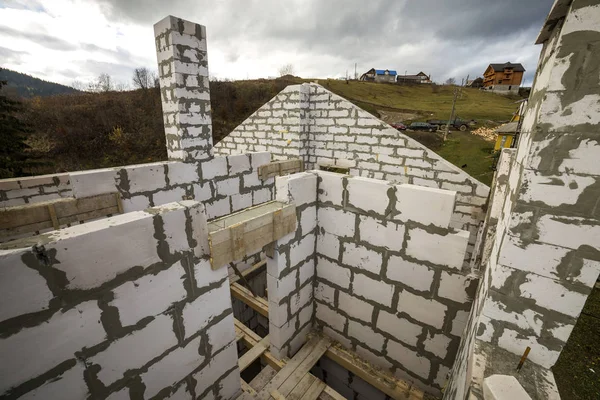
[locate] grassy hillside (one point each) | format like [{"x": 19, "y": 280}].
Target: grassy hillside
[
  {"x": 27, "y": 86},
  {"x": 427, "y": 101}
]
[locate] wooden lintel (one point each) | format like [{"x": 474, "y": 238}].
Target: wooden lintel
[{"x": 279, "y": 168}]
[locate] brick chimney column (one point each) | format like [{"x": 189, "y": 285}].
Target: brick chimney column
[{"x": 184, "y": 89}]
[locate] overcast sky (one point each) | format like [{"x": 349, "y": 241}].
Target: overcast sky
[{"x": 67, "y": 40}]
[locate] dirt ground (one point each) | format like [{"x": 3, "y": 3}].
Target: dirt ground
[{"x": 391, "y": 116}]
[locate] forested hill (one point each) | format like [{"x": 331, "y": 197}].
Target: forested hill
[{"x": 27, "y": 86}]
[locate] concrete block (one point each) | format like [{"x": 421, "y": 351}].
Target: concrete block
[
  {"x": 355, "y": 307},
  {"x": 365, "y": 390},
  {"x": 400, "y": 328},
  {"x": 366, "y": 336},
  {"x": 324, "y": 293},
  {"x": 390, "y": 235},
  {"x": 202, "y": 192},
  {"x": 261, "y": 196},
  {"x": 442, "y": 376},
  {"x": 239, "y": 163},
  {"x": 333, "y": 369},
  {"x": 198, "y": 313},
  {"x": 370, "y": 195},
  {"x": 528, "y": 319},
  {"x": 57, "y": 339},
  {"x": 516, "y": 343},
  {"x": 229, "y": 387},
  {"x": 306, "y": 314},
  {"x": 300, "y": 188},
  {"x": 302, "y": 250},
  {"x": 258, "y": 159},
  {"x": 545, "y": 292},
  {"x": 217, "y": 208},
  {"x": 337, "y": 222},
  {"x": 93, "y": 253},
  {"x": 448, "y": 250},
  {"x": 228, "y": 187},
  {"x": 409, "y": 359},
  {"x": 214, "y": 168},
  {"x": 280, "y": 335},
  {"x": 94, "y": 182},
  {"x": 149, "y": 295},
  {"x": 457, "y": 287},
  {"x": 503, "y": 387},
  {"x": 410, "y": 201},
  {"x": 298, "y": 340},
  {"x": 308, "y": 220},
  {"x": 180, "y": 394},
  {"x": 428, "y": 311},
  {"x": 307, "y": 271},
  {"x": 360, "y": 257},
  {"x": 417, "y": 276},
  {"x": 22, "y": 289},
  {"x": 437, "y": 344},
  {"x": 173, "y": 367},
  {"x": 301, "y": 299},
  {"x": 135, "y": 350},
  {"x": 280, "y": 288},
  {"x": 373, "y": 289},
  {"x": 180, "y": 173},
  {"x": 168, "y": 196},
  {"x": 459, "y": 323},
  {"x": 221, "y": 333},
  {"x": 333, "y": 273},
  {"x": 145, "y": 177},
  {"x": 328, "y": 245},
  {"x": 330, "y": 317},
  {"x": 330, "y": 187},
  {"x": 241, "y": 201},
  {"x": 278, "y": 313},
  {"x": 68, "y": 386}
]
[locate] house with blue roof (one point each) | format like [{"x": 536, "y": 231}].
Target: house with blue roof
[{"x": 379, "y": 75}]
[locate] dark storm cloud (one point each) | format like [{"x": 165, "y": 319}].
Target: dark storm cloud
[{"x": 42, "y": 39}]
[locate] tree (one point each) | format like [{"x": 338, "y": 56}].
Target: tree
[
  {"x": 450, "y": 81},
  {"x": 142, "y": 78},
  {"x": 287, "y": 69},
  {"x": 13, "y": 133}
]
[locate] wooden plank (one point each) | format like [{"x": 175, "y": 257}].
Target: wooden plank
[
  {"x": 263, "y": 377},
  {"x": 385, "y": 382},
  {"x": 306, "y": 365},
  {"x": 305, "y": 383},
  {"x": 289, "y": 368},
  {"x": 256, "y": 303},
  {"x": 251, "y": 339},
  {"x": 53, "y": 216},
  {"x": 238, "y": 250},
  {"x": 103, "y": 212},
  {"x": 314, "y": 391},
  {"x": 247, "y": 388},
  {"x": 253, "y": 354},
  {"x": 29, "y": 214},
  {"x": 276, "y": 395},
  {"x": 278, "y": 168},
  {"x": 119, "y": 201},
  {"x": 85, "y": 205}
]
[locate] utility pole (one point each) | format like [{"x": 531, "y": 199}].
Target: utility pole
[
  {"x": 451, "y": 114},
  {"x": 355, "y": 73}
]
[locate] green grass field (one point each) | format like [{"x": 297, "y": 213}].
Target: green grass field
[{"x": 427, "y": 100}]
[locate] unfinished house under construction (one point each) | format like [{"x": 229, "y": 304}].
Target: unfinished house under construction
[{"x": 249, "y": 270}]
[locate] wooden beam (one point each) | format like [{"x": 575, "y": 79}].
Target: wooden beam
[
  {"x": 253, "y": 353},
  {"x": 258, "y": 304},
  {"x": 247, "y": 388},
  {"x": 315, "y": 390},
  {"x": 279, "y": 168},
  {"x": 248, "y": 271},
  {"x": 387, "y": 383},
  {"x": 250, "y": 338}
]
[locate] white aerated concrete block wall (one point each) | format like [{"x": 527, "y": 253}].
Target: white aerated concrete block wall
[
  {"x": 389, "y": 275},
  {"x": 309, "y": 122},
  {"x": 545, "y": 258},
  {"x": 223, "y": 184},
  {"x": 125, "y": 306},
  {"x": 291, "y": 270}
]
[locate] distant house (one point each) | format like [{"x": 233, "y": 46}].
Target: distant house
[
  {"x": 503, "y": 78},
  {"x": 421, "y": 77},
  {"x": 475, "y": 83},
  {"x": 379, "y": 75}
]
